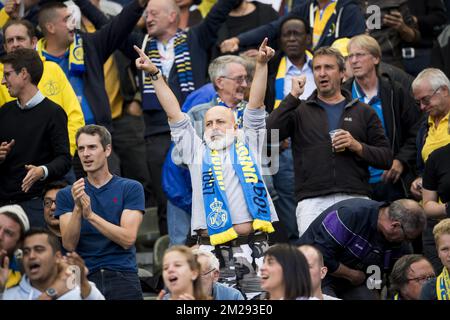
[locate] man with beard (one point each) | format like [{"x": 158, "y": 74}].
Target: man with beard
[
  {"x": 49, "y": 194},
  {"x": 231, "y": 208},
  {"x": 13, "y": 225}
]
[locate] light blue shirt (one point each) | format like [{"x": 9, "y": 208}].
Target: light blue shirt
[
  {"x": 375, "y": 103},
  {"x": 293, "y": 71}
]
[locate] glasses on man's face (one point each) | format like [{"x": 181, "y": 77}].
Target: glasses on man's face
[
  {"x": 207, "y": 272},
  {"x": 49, "y": 202},
  {"x": 423, "y": 279},
  {"x": 427, "y": 99},
  {"x": 239, "y": 80},
  {"x": 357, "y": 55}
]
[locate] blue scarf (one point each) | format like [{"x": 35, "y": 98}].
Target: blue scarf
[
  {"x": 238, "y": 111},
  {"x": 218, "y": 218},
  {"x": 183, "y": 67}
]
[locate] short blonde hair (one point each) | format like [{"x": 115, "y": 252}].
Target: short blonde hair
[
  {"x": 366, "y": 42},
  {"x": 441, "y": 229}
]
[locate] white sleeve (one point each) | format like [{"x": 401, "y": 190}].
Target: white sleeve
[
  {"x": 95, "y": 294},
  {"x": 185, "y": 139}
]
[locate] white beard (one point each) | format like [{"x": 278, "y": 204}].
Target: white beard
[{"x": 221, "y": 140}]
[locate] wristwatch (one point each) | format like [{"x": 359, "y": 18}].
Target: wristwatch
[
  {"x": 154, "y": 76},
  {"x": 447, "y": 209},
  {"x": 51, "y": 292}
]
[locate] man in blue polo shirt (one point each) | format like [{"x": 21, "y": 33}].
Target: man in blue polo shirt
[
  {"x": 397, "y": 111},
  {"x": 100, "y": 216}
]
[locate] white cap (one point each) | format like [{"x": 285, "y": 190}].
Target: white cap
[{"x": 17, "y": 210}]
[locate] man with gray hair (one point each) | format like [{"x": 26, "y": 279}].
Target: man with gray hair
[
  {"x": 431, "y": 89},
  {"x": 356, "y": 234},
  {"x": 182, "y": 56},
  {"x": 210, "y": 272}
]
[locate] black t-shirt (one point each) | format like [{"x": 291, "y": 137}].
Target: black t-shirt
[
  {"x": 233, "y": 26},
  {"x": 436, "y": 176}
]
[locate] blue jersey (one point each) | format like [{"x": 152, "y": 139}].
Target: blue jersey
[{"x": 108, "y": 202}]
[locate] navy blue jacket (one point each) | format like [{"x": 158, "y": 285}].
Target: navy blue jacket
[
  {"x": 347, "y": 233},
  {"x": 347, "y": 22}
]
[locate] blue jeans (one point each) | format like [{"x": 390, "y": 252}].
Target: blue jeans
[
  {"x": 284, "y": 185},
  {"x": 117, "y": 285},
  {"x": 178, "y": 223}
]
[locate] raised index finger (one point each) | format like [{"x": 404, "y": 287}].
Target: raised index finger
[{"x": 264, "y": 43}]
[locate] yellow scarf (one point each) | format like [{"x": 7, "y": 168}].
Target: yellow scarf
[
  {"x": 13, "y": 278},
  {"x": 76, "y": 54},
  {"x": 443, "y": 285},
  {"x": 321, "y": 22}
]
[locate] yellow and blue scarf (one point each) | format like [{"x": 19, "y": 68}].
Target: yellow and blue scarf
[
  {"x": 14, "y": 275},
  {"x": 321, "y": 20},
  {"x": 218, "y": 218},
  {"x": 279, "y": 80},
  {"x": 182, "y": 64},
  {"x": 76, "y": 54},
  {"x": 238, "y": 110},
  {"x": 443, "y": 285}
]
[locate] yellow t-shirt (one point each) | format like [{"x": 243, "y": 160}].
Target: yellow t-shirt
[{"x": 437, "y": 137}]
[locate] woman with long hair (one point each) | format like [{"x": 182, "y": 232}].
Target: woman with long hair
[{"x": 285, "y": 274}]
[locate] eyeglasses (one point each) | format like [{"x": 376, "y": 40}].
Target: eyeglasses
[
  {"x": 49, "y": 202},
  {"x": 7, "y": 74},
  {"x": 427, "y": 99},
  {"x": 423, "y": 279},
  {"x": 239, "y": 80},
  {"x": 207, "y": 272},
  {"x": 357, "y": 55}
]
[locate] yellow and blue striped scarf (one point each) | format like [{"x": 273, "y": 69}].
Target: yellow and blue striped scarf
[
  {"x": 321, "y": 20},
  {"x": 443, "y": 285},
  {"x": 182, "y": 64},
  {"x": 76, "y": 54},
  {"x": 218, "y": 218}
]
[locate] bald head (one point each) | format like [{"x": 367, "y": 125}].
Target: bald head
[
  {"x": 219, "y": 112},
  {"x": 312, "y": 254},
  {"x": 162, "y": 18}
]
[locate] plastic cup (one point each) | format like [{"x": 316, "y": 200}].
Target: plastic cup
[{"x": 332, "y": 133}]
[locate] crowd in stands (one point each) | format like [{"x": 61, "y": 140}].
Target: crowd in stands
[{"x": 296, "y": 151}]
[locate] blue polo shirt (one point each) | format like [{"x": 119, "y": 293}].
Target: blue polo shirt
[
  {"x": 108, "y": 202},
  {"x": 76, "y": 80},
  {"x": 375, "y": 103}
]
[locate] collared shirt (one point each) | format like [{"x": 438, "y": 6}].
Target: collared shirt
[
  {"x": 167, "y": 55},
  {"x": 375, "y": 103},
  {"x": 33, "y": 102},
  {"x": 437, "y": 137},
  {"x": 293, "y": 71}
]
